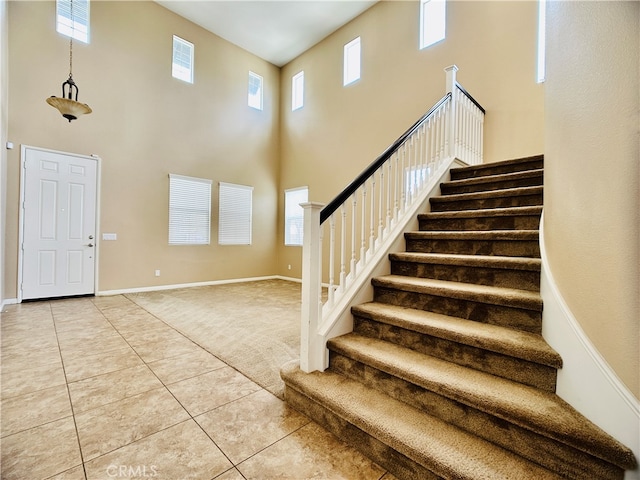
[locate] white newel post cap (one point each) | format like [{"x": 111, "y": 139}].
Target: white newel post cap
[{"x": 451, "y": 77}]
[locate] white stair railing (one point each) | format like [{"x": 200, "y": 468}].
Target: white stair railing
[{"x": 362, "y": 222}]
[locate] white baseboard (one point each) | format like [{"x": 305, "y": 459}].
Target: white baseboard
[
  {"x": 8, "y": 301},
  {"x": 586, "y": 381},
  {"x": 157, "y": 288}
]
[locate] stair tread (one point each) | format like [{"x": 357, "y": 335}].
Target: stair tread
[
  {"x": 528, "y": 407},
  {"x": 488, "y": 166},
  {"x": 504, "y": 192},
  {"x": 489, "y": 261},
  {"x": 484, "y": 212},
  {"x": 504, "y": 296},
  {"x": 444, "y": 449},
  {"x": 500, "y": 177},
  {"x": 475, "y": 234},
  {"x": 506, "y": 341}
]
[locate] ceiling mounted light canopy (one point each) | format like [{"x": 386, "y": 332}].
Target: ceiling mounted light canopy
[{"x": 69, "y": 106}]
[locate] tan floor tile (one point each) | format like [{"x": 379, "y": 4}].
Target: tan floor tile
[
  {"x": 310, "y": 452},
  {"x": 181, "y": 452},
  {"x": 232, "y": 474},
  {"x": 111, "y": 387},
  {"x": 197, "y": 362},
  {"x": 25, "y": 379},
  {"x": 210, "y": 390},
  {"x": 77, "y": 368},
  {"x": 40, "y": 452},
  {"x": 112, "y": 426},
  {"x": 91, "y": 345},
  {"x": 250, "y": 424},
  {"x": 34, "y": 409},
  {"x": 75, "y": 473},
  {"x": 13, "y": 358},
  {"x": 165, "y": 348}
]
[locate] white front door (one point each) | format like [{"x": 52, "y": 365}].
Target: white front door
[{"x": 59, "y": 193}]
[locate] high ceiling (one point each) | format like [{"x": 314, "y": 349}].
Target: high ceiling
[{"x": 277, "y": 31}]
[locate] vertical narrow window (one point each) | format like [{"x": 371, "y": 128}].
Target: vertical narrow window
[
  {"x": 294, "y": 214},
  {"x": 234, "y": 218},
  {"x": 297, "y": 91},
  {"x": 352, "y": 61},
  {"x": 541, "y": 63},
  {"x": 182, "y": 65},
  {"x": 79, "y": 27},
  {"x": 255, "y": 91},
  {"x": 189, "y": 210},
  {"x": 433, "y": 21}
]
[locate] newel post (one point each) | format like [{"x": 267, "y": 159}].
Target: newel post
[
  {"x": 311, "y": 345},
  {"x": 450, "y": 139}
]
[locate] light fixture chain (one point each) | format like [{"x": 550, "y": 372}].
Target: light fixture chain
[{"x": 73, "y": 31}]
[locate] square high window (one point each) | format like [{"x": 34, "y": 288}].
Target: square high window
[
  {"x": 182, "y": 65},
  {"x": 352, "y": 61},
  {"x": 78, "y": 28},
  {"x": 433, "y": 21},
  {"x": 297, "y": 91}
]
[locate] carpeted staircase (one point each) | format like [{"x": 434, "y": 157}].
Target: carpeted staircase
[{"x": 446, "y": 374}]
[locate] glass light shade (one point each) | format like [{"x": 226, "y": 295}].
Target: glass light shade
[{"x": 70, "y": 109}]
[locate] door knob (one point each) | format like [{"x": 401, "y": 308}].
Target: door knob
[{"x": 90, "y": 245}]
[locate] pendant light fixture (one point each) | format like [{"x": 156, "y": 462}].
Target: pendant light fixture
[{"x": 69, "y": 106}]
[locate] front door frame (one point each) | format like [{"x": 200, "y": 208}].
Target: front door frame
[{"x": 23, "y": 157}]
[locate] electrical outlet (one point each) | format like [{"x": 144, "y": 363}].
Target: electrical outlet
[
  {"x": 157, "y": 273},
  {"x": 289, "y": 267}
]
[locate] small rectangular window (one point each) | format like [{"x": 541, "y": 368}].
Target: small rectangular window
[
  {"x": 255, "y": 91},
  {"x": 78, "y": 28},
  {"x": 541, "y": 67},
  {"x": 297, "y": 91},
  {"x": 294, "y": 215},
  {"x": 235, "y": 211},
  {"x": 182, "y": 65},
  {"x": 433, "y": 21},
  {"x": 352, "y": 61},
  {"x": 189, "y": 210}
]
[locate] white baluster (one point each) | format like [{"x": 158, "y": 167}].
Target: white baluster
[
  {"x": 363, "y": 226},
  {"x": 343, "y": 234},
  {"x": 372, "y": 213},
  {"x": 332, "y": 243},
  {"x": 354, "y": 206}
]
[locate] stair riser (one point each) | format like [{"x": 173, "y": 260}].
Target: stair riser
[
  {"x": 402, "y": 467},
  {"x": 549, "y": 453},
  {"x": 508, "y": 248},
  {"x": 516, "y": 318},
  {"x": 511, "y": 222},
  {"x": 498, "y": 277},
  {"x": 444, "y": 204},
  {"x": 518, "y": 370},
  {"x": 452, "y": 188},
  {"x": 463, "y": 173}
]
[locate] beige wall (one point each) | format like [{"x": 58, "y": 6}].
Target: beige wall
[
  {"x": 146, "y": 124},
  {"x": 592, "y": 200},
  {"x": 340, "y": 129},
  {"x": 4, "y": 113}
]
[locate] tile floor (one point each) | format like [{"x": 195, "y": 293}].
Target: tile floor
[{"x": 98, "y": 388}]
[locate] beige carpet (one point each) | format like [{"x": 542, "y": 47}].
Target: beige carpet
[{"x": 253, "y": 326}]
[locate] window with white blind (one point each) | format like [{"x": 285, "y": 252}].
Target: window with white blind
[
  {"x": 182, "y": 64},
  {"x": 297, "y": 91},
  {"x": 294, "y": 214},
  {"x": 255, "y": 91},
  {"x": 235, "y": 211},
  {"x": 189, "y": 210},
  {"x": 73, "y": 22},
  {"x": 433, "y": 20},
  {"x": 352, "y": 61}
]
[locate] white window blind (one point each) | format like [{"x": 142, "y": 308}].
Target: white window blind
[
  {"x": 255, "y": 91},
  {"x": 433, "y": 20},
  {"x": 352, "y": 61},
  {"x": 189, "y": 210},
  {"x": 234, "y": 218},
  {"x": 294, "y": 215},
  {"x": 297, "y": 91},
  {"x": 182, "y": 64},
  {"x": 79, "y": 27}
]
